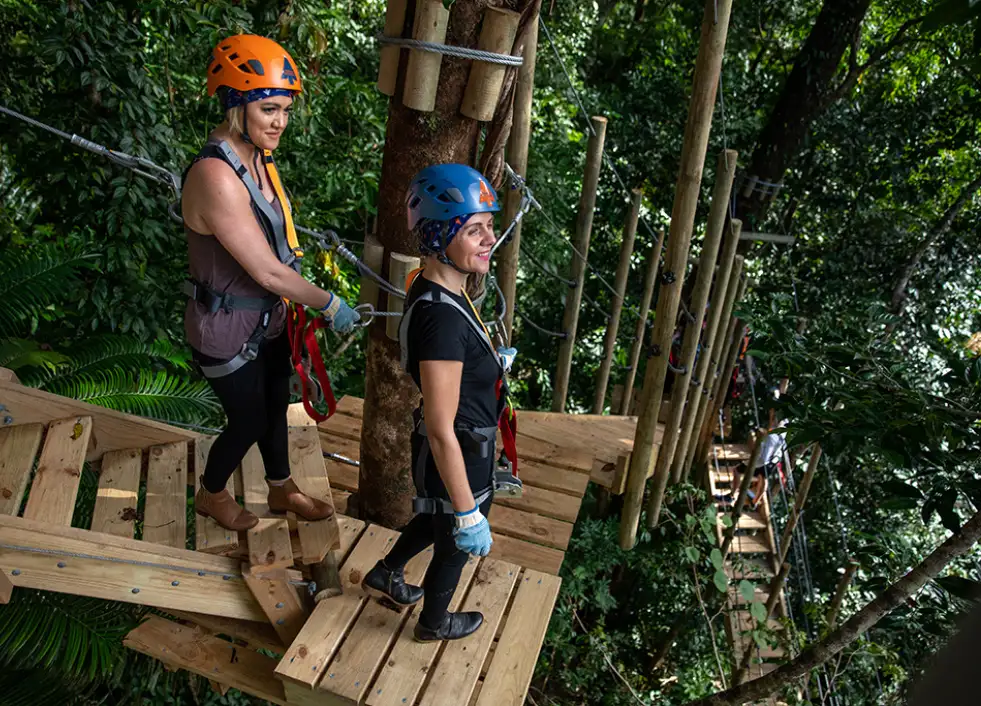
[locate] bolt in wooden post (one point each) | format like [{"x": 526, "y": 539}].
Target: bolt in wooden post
[
  {"x": 840, "y": 592},
  {"x": 620, "y": 285},
  {"x": 756, "y": 444},
  {"x": 422, "y": 72},
  {"x": 721, "y": 356},
  {"x": 517, "y": 155},
  {"x": 799, "y": 500},
  {"x": 373, "y": 257},
  {"x": 388, "y": 67},
  {"x": 484, "y": 86},
  {"x": 776, "y": 586},
  {"x": 711, "y": 343},
  {"x": 715, "y": 29},
  {"x": 577, "y": 268},
  {"x": 399, "y": 267},
  {"x": 725, "y": 173},
  {"x": 650, "y": 279}
]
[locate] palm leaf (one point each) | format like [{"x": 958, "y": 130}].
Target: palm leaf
[
  {"x": 102, "y": 354},
  {"x": 31, "y": 280},
  {"x": 17, "y": 353},
  {"x": 160, "y": 395}
]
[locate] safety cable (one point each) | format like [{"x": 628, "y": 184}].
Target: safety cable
[
  {"x": 452, "y": 50},
  {"x": 540, "y": 329}
]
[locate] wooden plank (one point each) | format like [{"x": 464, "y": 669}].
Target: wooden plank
[
  {"x": 530, "y": 527},
  {"x": 731, "y": 453},
  {"x": 255, "y": 492},
  {"x": 310, "y": 474},
  {"x": 458, "y": 668},
  {"x": 279, "y": 600},
  {"x": 532, "y": 556},
  {"x": 342, "y": 475},
  {"x": 546, "y": 503},
  {"x": 18, "y": 448},
  {"x": 404, "y": 672},
  {"x": 349, "y": 676},
  {"x": 748, "y": 544},
  {"x": 351, "y": 531},
  {"x": 111, "y": 430},
  {"x": 513, "y": 664},
  {"x": 59, "y": 470},
  {"x": 341, "y": 426},
  {"x": 351, "y": 406},
  {"x": 341, "y": 498},
  {"x": 254, "y": 634},
  {"x": 751, "y": 520},
  {"x": 550, "y": 478},
  {"x": 118, "y": 496},
  {"x": 196, "y": 650},
  {"x": 209, "y": 536},
  {"x": 165, "y": 513},
  {"x": 117, "y": 565},
  {"x": 551, "y": 454},
  {"x": 330, "y": 621},
  {"x": 6, "y": 589},
  {"x": 269, "y": 545}
]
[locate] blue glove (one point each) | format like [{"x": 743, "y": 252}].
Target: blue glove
[
  {"x": 507, "y": 357},
  {"x": 472, "y": 533},
  {"x": 340, "y": 315}
]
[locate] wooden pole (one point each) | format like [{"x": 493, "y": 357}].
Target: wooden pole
[
  {"x": 388, "y": 67},
  {"x": 712, "y": 341},
  {"x": 484, "y": 87},
  {"x": 840, "y": 592},
  {"x": 776, "y": 586},
  {"x": 724, "y": 175},
  {"x": 715, "y": 28},
  {"x": 650, "y": 279},
  {"x": 422, "y": 73},
  {"x": 799, "y": 500},
  {"x": 756, "y": 443},
  {"x": 517, "y": 155},
  {"x": 399, "y": 267},
  {"x": 373, "y": 257},
  {"x": 577, "y": 269},
  {"x": 720, "y": 371},
  {"x": 620, "y": 285}
]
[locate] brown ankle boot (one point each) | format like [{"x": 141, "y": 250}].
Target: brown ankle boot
[
  {"x": 223, "y": 509},
  {"x": 288, "y": 497}
]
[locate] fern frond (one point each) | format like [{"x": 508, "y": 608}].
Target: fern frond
[
  {"x": 17, "y": 353},
  {"x": 31, "y": 280},
  {"x": 30, "y": 687},
  {"x": 80, "y": 638},
  {"x": 106, "y": 354},
  {"x": 160, "y": 395}
]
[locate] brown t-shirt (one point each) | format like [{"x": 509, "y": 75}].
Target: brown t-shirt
[{"x": 222, "y": 334}]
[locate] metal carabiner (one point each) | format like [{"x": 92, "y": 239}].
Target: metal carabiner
[{"x": 367, "y": 313}]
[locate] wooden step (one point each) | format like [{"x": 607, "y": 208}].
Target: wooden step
[
  {"x": 209, "y": 536},
  {"x": 165, "y": 516},
  {"x": 59, "y": 470},
  {"x": 117, "y": 501},
  {"x": 750, "y": 544},
  {"x": 18, "y": 448}
]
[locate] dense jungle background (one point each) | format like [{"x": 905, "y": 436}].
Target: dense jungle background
[{"x": 866, "y": 112}]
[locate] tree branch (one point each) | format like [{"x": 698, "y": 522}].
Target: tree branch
[{"x": 897, "y": 594}]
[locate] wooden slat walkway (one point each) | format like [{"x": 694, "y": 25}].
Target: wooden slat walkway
[{"x": 752, "y": 557}]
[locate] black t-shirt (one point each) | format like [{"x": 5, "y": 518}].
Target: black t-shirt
[{"x": 440, "y": 332}]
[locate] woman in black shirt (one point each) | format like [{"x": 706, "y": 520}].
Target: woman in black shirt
[{"x": 452, "y": 360}]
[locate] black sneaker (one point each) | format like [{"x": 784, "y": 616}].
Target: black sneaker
[
  {"x": 382, "y": 582},
  {"x": 453, "y": 627}
]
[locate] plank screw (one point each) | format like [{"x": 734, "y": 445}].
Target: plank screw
[
  {"x": 136, "y": 590},
  {"x": 8, "y": 420},
  {"x": 279, "y": 606},
  {"x": 175, "y": 583},
  {"x": 357, "y": 683},
  {"x": 15, "y": 572},
  {"x": 200, "y": 573},
  {"x": 226, "y": 577},
  {"x": 62, "y": 565},
  {"x": 280, "y": 622}
]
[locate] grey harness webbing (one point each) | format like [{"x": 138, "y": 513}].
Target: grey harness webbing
[{"x": 427, "y": 296}]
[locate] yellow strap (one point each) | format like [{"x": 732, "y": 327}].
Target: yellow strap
[
  {"x": 477, "y": 316},
  {"x": 277, "y": 185}
]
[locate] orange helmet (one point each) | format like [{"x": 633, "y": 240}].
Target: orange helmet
[{"x": 246, "y": 62}]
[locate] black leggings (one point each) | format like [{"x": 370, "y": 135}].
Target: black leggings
[
  {"x": 447, "y": 563},
  {"x": 255, "y": 399}
]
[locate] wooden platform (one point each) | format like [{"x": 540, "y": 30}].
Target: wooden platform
[
  {"x": 752, "y": 557},
  {"x": 558, "y": 456},
  {"x": 230, "y": 595}
]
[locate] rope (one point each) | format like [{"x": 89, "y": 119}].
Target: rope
[
  {"x": 571, "y": 284},
  {"x": 450, "y": 50},
  {"x": 540, "y": 329}
]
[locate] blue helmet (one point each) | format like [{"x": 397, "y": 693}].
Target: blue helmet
[{"x": 447, "y": 194}]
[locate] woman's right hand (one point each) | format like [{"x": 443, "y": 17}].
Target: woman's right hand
[
  {"x": 472, "y": 532},
  {"x": 345, "y": 318}
]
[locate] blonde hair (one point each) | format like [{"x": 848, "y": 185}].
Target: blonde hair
[{"x": 236, "y": 119}]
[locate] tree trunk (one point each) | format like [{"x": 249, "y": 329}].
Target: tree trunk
[
  {"x": 413, "y": 141},
  {"x": 897, "y": 302},
  {"x": 819, "y": 653},
  {"x": 805, "y": 96}
]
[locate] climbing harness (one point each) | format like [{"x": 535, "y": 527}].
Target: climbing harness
[{"x": 479, "y": 442}]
